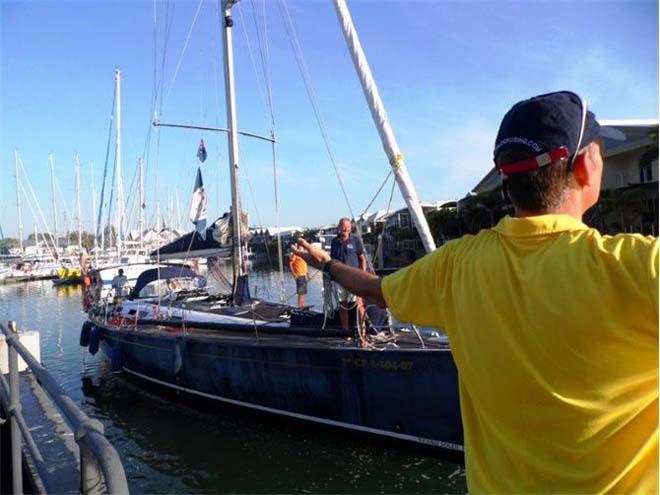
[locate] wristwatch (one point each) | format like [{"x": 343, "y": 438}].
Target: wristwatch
[{"x": 326, "y": 268}]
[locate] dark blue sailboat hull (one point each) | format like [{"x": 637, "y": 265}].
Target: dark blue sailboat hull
[{"x": 407, "y": 394}]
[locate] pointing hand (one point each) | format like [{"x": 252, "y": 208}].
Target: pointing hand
[{"x": 314, "y": 256}]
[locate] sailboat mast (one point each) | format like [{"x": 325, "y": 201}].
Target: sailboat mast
[
  {"x": 52, "y": 187},
  {"x": 227, "y": 23},
  {"x": 178, "y": 209},
  {"x": 96, "y": 244},
  {"x": 18, "y": 204},
  {"x": 141, "y": 209},
  {"x": 170, "y": 209},
  {"x": 120, "y": 182},
  {"x": 385, "y": 131},
  {"x": 78, "y": 205}
]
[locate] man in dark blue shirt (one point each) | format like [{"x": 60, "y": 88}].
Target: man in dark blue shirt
[{"x": 348, "y": 249}]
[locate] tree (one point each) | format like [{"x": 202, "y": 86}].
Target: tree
[
  {"x": 618, "y": 210},
  {"x": 308, "y": 234},
  {"x": 444, "y": 225},
  {"x": 8, "y": 243},
  {"x": 483, "y": 210}
]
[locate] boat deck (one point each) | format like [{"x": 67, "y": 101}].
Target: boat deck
[
  {"x": 258, "y": 310},
  {"x": 275, "y": 336}
]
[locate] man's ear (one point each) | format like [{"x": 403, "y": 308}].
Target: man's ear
[{"x": 581, "y": 169}]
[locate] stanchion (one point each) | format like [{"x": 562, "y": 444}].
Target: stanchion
[{"x": 14, "y": 411}]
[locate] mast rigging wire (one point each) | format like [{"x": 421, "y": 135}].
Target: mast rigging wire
[
  {"x": 264, "y": 56},
  {"x": 267, "y": 101},
  {"x": 183, "y": 51},
  {"x": 36, "y": 202},
  {"x": 248, "y": 43},
  {"x": 65, "y": 210},
  {"x": 105, "y": 167},
  {"x": 376, "y": 195},
  {"x": 158, "y": 99},
  {"x": 304, "y": 72},
  {"x": 36, "y": 219},
  {"x": 267, "y": 74}
]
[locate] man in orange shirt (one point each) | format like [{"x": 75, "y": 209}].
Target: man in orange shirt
[{"x": 298, "y": 267}]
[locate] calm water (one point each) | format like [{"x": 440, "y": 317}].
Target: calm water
[{"x": 168, "y": 447}]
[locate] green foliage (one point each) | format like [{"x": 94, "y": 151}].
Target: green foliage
[
  {"x": 444, "y": 225},
  {"x": 483, "y": 210},
  {"x": 623, "y": 210},
  {"x": 87, "y": 241},
  {"x": 8, "y": 242},
  {"x": 308, "y": 234},
  {"x": 370, "y": 238}
]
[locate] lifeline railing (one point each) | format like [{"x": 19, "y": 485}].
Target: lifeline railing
[{"x": 98, "y": 458}]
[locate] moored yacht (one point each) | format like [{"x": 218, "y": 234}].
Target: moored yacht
[{"x": 232, "y": 348}]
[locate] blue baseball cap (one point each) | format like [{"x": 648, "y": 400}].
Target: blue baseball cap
[{"x": 552, "y": 126}]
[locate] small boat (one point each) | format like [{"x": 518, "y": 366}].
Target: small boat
[
  {"x": 31, "y": 269},
  {"x": 68, "y": 276}
]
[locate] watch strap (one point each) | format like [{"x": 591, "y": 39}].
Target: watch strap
[{"x": 326, "y": 268}]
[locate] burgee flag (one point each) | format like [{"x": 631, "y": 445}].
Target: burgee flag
[
  {"x": 201, "y": 151},
  {"x": 198, "y": 205}
]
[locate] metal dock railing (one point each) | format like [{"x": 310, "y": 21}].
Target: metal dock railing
[{"x": 101, "y": 470}]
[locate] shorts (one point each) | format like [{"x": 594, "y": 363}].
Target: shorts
[
  {"x": 301, "y": 286},
  {"x": 344, "y": 295}
]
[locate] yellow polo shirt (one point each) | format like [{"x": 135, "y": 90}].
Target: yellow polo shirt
[{"x": 554, "y": 330}]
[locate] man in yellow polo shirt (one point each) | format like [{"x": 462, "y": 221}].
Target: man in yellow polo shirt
[{"x": 553, "y": 326}]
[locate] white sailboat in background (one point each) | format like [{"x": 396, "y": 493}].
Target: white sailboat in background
[
  {"x": 50, "y": 256},
  {"x": 40, "y": 260}
]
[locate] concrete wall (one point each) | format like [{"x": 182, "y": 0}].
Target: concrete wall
[{"x": 623, "y": 169}]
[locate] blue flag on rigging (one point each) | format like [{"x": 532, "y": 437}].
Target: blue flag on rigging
[
  {"x": 201, "y": 151},
  {"x": 198, "y": 206}
]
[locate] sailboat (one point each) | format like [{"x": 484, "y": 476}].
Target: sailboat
[{"x": 265, "y": 356}]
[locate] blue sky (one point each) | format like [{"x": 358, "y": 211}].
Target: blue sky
[{"x": 446, "y": 70}]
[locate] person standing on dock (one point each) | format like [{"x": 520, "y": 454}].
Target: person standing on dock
[
  {"x": 298, "y": 268},
  {"x": 553, "y": 326},
  {"x": 347, "y": 249}
]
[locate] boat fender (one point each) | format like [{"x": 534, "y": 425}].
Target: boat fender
[
  {"x": 179, "y": 352},
  {"x": 94, "y": 338},
  {"x": 84, "y": 333},
  {"x": 117, "y": 359}
]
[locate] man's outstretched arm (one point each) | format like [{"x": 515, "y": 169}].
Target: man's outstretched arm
[{"x": 359, "y": 282}]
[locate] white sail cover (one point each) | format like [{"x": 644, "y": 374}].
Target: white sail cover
[
  {"x": 216, "y": 241},
  {"x": 379, "y": 115}
]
